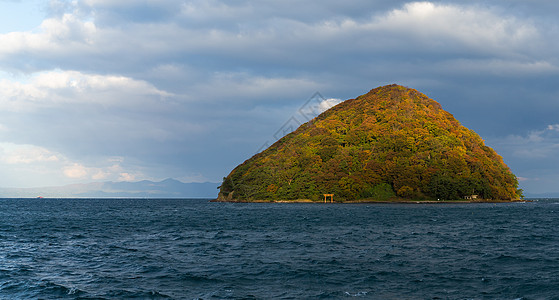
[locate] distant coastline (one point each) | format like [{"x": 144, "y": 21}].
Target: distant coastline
[
  {"x": 370, "y": 201},
  {"x": 168, "y": 188}
]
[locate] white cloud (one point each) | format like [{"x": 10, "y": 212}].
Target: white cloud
[
  {"x": 315, "y": 106},
  {"x": 328, "y": 103},
  {"x": 75, "y": 171},
  {"x": 535, "y": 145},
  {"x": 64, "y": 87},
  {"x": 520, "y": 179},
  {"x": 31, "y": 166},
  {"x": 100, "y": 175},
  {"x": 109, "y": 172},
  {"x": 451, "y": 26},
  {"x": 99, "y": 172},
  {"x": 25, "y": 154},
  {"x": 54, "y": 35},
  {"x": 126, "y": 177}
]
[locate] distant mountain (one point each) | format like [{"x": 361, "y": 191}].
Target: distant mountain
[
  {"x": 541, "y": 195},
  {"x": 168, "y": 188}
]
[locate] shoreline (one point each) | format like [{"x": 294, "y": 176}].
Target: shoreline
[{"x": 365, "y": 201}]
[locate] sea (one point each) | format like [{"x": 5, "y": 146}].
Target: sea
[{"x": 196, "y": 249}]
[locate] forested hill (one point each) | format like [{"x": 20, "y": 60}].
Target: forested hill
[{"x": 393, "y": 142}]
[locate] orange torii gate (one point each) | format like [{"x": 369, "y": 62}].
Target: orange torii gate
[{"x": 331, "y": 197}]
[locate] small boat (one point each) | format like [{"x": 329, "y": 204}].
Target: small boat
[{"x": 40, "y": 197}]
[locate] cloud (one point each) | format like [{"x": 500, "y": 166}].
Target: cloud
[
  {"x": 61, "y": 35},
  {"x": 126, "y": 177},
  {"x": 177, "y": 88},
  {"x": 537, "y": 149},
  {"x": 460, "y": 28},
  {"x": 533, "y": 157},
  {"x": 538, "y": 144},
  {"x": 100, "y": 175},
  {"x": 88, "y": 113},
  {"x": 314, "y": 106},
  {"x": 328, "y": 103},
  {"x": 248, "y": 88},
  {"x": 112, "y": 172},
  {"x": 194, "y": 178},
  {"x": 497, "y": 67},
  {"x": 75, "y": 171},
  {"x": 25, "y": 154},
  {"x": 25, "y": 163},
  {"x": 237, "y": 32},
  {"x": 72, "y": 87}
]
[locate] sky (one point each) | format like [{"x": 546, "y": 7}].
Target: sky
[{"x": 121, "y": 90}]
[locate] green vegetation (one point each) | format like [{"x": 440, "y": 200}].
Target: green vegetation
[{"x": 392, "y": 142}]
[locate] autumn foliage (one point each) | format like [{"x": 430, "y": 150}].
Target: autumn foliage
[{"x": 391, "y": 142}]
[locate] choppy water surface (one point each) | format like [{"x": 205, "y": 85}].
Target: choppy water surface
[{"x": 189, "y": 249}]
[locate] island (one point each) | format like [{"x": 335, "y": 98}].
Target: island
[{"x": 392, "y": 144}]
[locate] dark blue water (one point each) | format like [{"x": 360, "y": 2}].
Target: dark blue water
[{"x": 189, "y": 249}]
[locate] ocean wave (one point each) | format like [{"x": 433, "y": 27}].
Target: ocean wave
[{"x": 225, "y": 251}]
